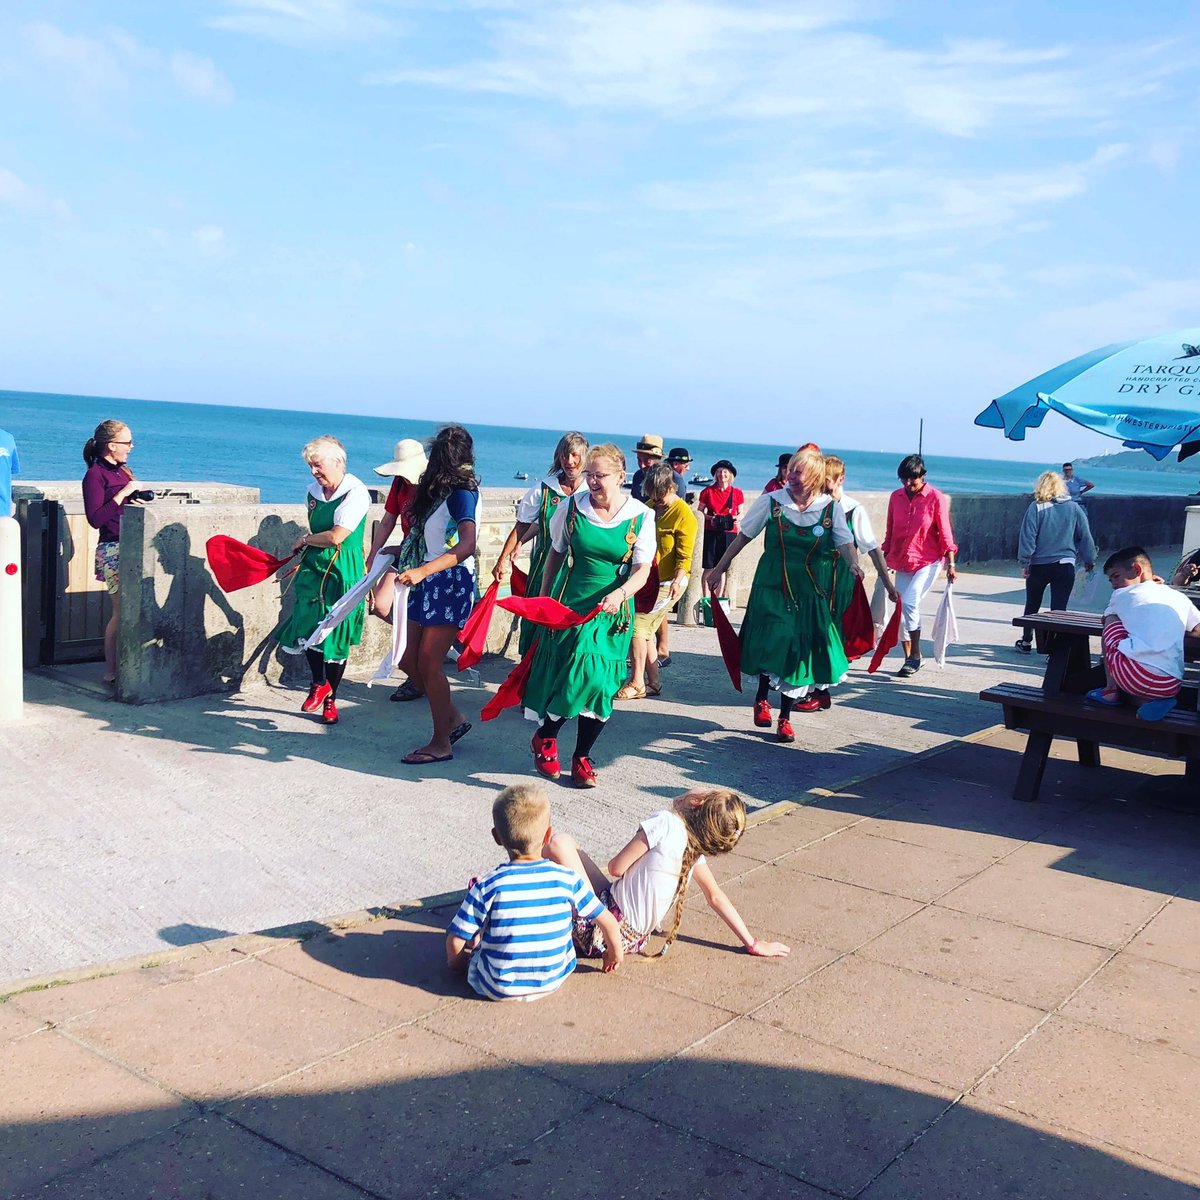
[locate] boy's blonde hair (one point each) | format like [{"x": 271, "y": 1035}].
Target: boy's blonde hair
[
  {"x": 714, "y": 826},
  {"x": 521, "y": 816},
  {"x": 1050, "y": 486},
  {"x": 835, "y": 470}
]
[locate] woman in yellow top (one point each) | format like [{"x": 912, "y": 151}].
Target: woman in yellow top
[{"x": 675, "y": 535}]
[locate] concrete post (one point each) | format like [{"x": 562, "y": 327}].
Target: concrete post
[{"x": 12, "y": 681}]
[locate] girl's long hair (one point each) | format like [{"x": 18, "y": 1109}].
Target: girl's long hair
[
  {"x": 98, "y": 443},
  {"x": 451, "y": 466},
  {"x": 714, "y": 826}
]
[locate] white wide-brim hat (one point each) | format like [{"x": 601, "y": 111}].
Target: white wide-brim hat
[{"x": 408, "y": 461}]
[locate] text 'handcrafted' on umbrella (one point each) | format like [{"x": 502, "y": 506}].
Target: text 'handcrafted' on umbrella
[{"x": 1146, "y": 393}]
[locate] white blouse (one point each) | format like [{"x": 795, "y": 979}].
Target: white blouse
[
  {"x": 643, "y": 549},
  {"x": 755, "y": 520},
  {"x": 530, "y": 504},
  {"x": 864, "y": 535},
  {"x": 356, "y": 500}
]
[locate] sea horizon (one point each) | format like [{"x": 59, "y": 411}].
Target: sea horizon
[{"x": 260, "y": 447}]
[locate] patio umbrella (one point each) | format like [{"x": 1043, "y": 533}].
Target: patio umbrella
[{"x": 1145, "y": 393}]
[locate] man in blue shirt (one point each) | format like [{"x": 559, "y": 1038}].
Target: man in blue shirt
[{"x": 10, "y": 465}]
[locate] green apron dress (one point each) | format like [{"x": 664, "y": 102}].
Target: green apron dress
[
  {"x": 788, "y": 631},
  {"x": 325, "y": 574},
  {"x": 580, "y": 670},
  {"x": 537, "y": 559},
  {"x": 843, "y": 579}
]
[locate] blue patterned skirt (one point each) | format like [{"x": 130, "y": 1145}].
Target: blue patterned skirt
[{"x": 445, "y": 598}]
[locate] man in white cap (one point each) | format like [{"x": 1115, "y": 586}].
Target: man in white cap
[{"x": 407, "y": 465}]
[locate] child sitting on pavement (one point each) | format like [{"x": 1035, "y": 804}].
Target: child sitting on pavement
[
  {"x": 653, "y": 870},
  {"x": 1143, "y": 631},
  {"x": 512, "y": 933}
]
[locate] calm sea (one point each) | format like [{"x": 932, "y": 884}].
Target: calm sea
[{"x": 261, "y": 447}]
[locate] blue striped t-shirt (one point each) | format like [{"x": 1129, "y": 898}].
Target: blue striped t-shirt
[{"x": 524, "y": 910}]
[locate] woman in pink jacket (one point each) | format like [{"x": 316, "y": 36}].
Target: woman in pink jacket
[{"x": 919, "y": 539}]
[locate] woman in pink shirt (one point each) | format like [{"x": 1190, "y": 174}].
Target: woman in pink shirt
[{"x": 919, "y": 539}]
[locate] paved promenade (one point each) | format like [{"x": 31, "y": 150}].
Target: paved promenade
[
  {"x": 144, "y": 828},
  {"x": 984, "y": 999}
]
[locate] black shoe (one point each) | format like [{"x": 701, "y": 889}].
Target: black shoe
[
  {"x": 911, "y": 667},
  {"x": 664, "y": 662},
  {"x": 407, "y": 691}
]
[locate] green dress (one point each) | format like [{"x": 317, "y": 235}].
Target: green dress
[
  {"x": 843, "y": 579},
  {"x": 325, "y": 574},
  {"x": 789, "y": 632},
  {"x": 580, "y": 670},
  {"x": 547, "y": 507}
]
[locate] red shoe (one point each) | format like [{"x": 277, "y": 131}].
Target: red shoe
[
  {"x": 582, "y": 775},
  {"x": 317, "y": 695},
  {"x": 810, "y": 703},
  {"x": 762, "y": 714},
  {"x": 329, "y": 713},
  {"x": 784, "y": 731},
  {"x": 823, "y": 697},
  {"x": 545, "y": 756}
]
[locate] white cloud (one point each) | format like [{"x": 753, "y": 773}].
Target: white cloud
[
  {"x": 209, "y": 239},
  {"x": 17, "y": 195},
  {"x": 905, "y": 202},
  {"x": 199, "y": 77},
  {"x": 300, "y": 22},
  {"x": 114, "y": 61},
  {"x": 778, "y": 61}
]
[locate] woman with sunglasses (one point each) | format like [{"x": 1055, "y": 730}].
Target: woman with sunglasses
[
  {"x": 604, "y": 543},
  {"x": 108, "y": 486}
]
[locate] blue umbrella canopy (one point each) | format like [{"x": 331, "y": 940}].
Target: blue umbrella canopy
[{"x": 1145, "y": 393}]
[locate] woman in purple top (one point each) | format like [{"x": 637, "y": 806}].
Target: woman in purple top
[{"x": 108, "y": 485}]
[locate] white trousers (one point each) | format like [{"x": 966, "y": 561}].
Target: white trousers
[{"x": 913, "y": 587}]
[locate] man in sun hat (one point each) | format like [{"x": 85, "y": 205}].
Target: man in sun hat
[
  {"x": 649, "y": 451},
  {"x": 405, "y": 470}
]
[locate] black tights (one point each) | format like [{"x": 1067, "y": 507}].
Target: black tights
[
  {"x": 325, "y": 672},
  {"x": 764, "y": 690},
  {"x": 587, "y": 731}
]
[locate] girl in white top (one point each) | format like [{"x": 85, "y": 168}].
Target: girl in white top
[{"x": 654, "y": 870}]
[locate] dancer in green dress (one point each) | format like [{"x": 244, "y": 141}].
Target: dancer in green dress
[
  {"x": 333, "y": 561},
  {"x": 535, "y": 510},
  {"x": 865, "y": 542},
  {"x": 789, "y": 637},
  {"x": 604, "y": 544}
]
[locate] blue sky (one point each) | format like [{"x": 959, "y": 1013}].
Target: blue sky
[{"x": 829, "y": 218}]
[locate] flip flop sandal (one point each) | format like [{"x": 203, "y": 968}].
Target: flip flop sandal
[
  {"x": 407, "y": 691},
  {"x": 459, "y": 731},
  {"x": 422, "y": 758},
  {"x": 1097, "y": 696},
  {"x": 651, "y": 690}
]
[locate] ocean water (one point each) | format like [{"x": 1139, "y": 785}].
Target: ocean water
[{"x": 261, "y": 447}]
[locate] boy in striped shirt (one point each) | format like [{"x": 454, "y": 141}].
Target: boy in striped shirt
[{"x": 512, "y": 933}]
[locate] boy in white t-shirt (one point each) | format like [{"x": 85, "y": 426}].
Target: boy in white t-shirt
[{"x": 1144, "y": 627}]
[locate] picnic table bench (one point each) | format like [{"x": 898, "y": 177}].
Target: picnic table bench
[{"x": 1059, "y": 707}]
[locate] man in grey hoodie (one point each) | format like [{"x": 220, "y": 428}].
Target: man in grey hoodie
[{"x": 1054, "y": 537}]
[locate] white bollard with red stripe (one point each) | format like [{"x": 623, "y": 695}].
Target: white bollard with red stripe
[{"x": 11, "y": 667}]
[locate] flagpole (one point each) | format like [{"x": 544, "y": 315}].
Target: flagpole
[{"x": 921, "y": 436}]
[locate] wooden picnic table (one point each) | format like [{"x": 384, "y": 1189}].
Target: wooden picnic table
[{"x": 1059, "y": 708}]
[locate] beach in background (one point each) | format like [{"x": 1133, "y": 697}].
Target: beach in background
[{"x": 260, "y": 447}]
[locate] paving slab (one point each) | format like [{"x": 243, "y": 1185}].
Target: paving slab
[
  {"x": 925, "y": 1027},
  {"x": 63, "y": 1107},
  {"x": 857, "y": 856},
  {"x": 1173, "y": 935},
  {"x": 203, "y": 1159},
  {"x": 1147, "y": 1000},
  {"x": 1002, "y": 960},
  {"x": 609, "y": 1151},
  {"x": 411, "y": 1114},
  {"x": 1105, "y": 1085},
  {"x": 577, "y": 1035},
  {"x": 227, "y": 1032},
  {"x": 1057, "y": 901},
  {"x": 806, "y": 909},
  {"x": 983, "y": 1152},
  {"x": 827, "y": 1117}
]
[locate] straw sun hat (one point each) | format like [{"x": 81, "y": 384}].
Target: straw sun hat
[{"x": 408, "y": 461}]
